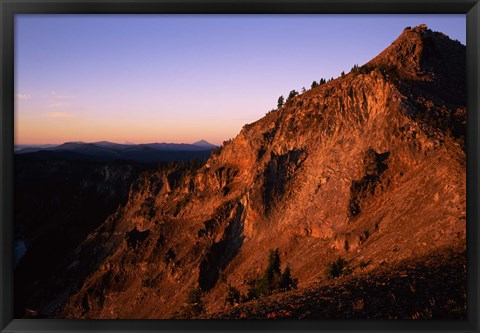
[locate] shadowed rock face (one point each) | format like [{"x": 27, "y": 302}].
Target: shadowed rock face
[
  {"x": 374, "y": 165},
  {"x": 222, "y": 252},
  {"x": 58, "y": 202},
  {"x": 374, "y": 158}
]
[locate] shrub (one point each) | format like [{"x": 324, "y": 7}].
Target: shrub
[
  {"x": 335, "y": 268},
  {"x": 195, "y": 304},
  {"x": 233, "y": 295},
  {"x": 253, "y": 290}
]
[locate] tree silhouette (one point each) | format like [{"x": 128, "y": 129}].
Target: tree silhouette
[
  {"x": 335, "y": 268},
  {"x": 272, "y": 273},
  {"x": 292, "y": 94},
  {"x": 286, "y": 281},
  {"x": 272, "y": 280}
]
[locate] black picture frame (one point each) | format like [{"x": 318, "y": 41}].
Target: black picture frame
[{"x": 9, "y": 8}]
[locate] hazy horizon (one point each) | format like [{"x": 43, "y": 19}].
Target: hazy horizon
[
  {"x": 115, "y": 142},
  {"x": 182, "y": 78}
]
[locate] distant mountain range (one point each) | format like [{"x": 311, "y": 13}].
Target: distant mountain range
[{"x": 108, "y": 151}]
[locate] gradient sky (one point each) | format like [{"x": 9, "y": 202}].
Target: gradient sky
[{"x": 182, "y": 78}]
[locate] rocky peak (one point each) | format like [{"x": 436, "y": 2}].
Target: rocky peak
[{"x": 422, "y": 54}]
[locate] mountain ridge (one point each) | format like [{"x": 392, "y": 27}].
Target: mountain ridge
[
  {"x": 108, "y": 151},
  {"x": 335, "y": 172}
]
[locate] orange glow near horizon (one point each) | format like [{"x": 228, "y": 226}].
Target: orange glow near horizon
[
  {"x": 57, "y": 128},
  {"x": 181, "y": 79}
]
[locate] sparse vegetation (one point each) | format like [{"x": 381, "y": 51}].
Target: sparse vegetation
[
  {"x": 358, "y": 305},
  {"x": 218, "y": 150},
  {"x": 253, "y": 291},
  {"x": 389, "y": 72},
  {"x": 272, "y": 280},
  {"x": 381, "y": 294},
  {"x": 336, "y": 268},
  {"x": 292, "y": 94},
  {"x": 365, "y": 69},
  {"x": 195, "y": 304},
  {"x": 286, "y": 281},
  {"x": 233, "y": 295}
]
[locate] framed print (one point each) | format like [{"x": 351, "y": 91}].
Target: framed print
[{"x": 184, "y": 166}]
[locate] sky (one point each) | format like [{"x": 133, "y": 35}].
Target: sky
[{"x": 182, "y": 78}]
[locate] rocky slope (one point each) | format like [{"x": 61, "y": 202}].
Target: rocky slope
[
  {"x": 369, "y": 167},
  {"x": 58, "y": 202},
  {"x": 430, "y": 287}
]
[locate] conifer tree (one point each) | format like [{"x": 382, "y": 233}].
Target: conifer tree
[
  {"x": 286, "y": 281},
  {"x": 292, "y": 94}
]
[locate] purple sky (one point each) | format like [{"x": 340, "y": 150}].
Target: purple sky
[{"x": 182, "y": 78}]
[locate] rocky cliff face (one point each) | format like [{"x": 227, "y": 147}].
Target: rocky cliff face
[{"x": 369, "y": 166}]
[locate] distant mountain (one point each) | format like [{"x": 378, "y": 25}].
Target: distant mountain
[
  {"x": 34, "y": 147},
  {"x": 108, "y": 144},
  {"x": 109, "y": 151},
  {"x": 203, "y": 143}
]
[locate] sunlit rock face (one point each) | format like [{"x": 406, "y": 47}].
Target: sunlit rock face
[{"x": 374, "y": 159}]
